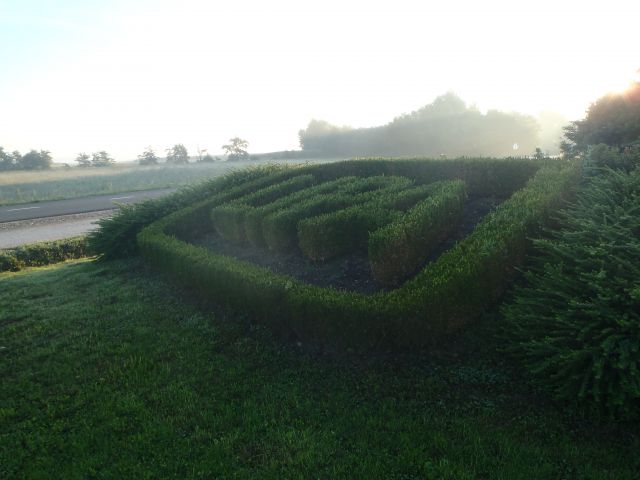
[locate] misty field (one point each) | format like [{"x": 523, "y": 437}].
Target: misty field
[{"x": 60, "y": 183}]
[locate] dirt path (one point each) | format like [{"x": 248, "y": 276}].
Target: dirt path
[{"x": 14, "y": 234}]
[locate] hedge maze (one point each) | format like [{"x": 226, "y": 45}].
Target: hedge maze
[{"x": 396, "y": 212}]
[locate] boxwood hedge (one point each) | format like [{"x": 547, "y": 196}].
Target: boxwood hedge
[
  {"x": 446, "y": 294},
  {"x": 332, "y": 234},
  {"x": 397, "y": 249}
]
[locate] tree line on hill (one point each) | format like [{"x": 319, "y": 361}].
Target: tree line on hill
[
  {"x": 176, "y": 155},
  {"x": 445, "y": 127},
  {"x": 34, "y": 160}
]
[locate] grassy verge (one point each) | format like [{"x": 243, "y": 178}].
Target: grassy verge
[{"x": 108, "y": 373}]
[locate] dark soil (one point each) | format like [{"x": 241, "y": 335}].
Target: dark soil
[{"x": 350, "y": 272}]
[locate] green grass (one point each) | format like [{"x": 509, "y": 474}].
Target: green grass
[
  {"x": 26, "y": 187},
  {"x": 110, "y": 372}
]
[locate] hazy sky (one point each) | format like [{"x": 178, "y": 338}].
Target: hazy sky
[{"x": 87, "y": 75}]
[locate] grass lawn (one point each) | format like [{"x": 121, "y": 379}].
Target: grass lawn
[{"x": 109, "y": 372}]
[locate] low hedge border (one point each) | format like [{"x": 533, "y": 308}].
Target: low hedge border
[
  {"x": 332, "y": 234},
  {"x": 117, "y": 236},
  {"x": 229, "y": 218},
  {"x": 43, "y": 253},
  {"x": 253, "y": 217},
  {"x": 449, "y": 292},
  {"x": 280, "y": 229},
  {"x": 397, "y": 249}
]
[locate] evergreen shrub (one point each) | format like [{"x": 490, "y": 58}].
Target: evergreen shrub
[{"x": 576, "y": 324}]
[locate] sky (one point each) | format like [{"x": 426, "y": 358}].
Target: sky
[{"x": 115, "y": 75}]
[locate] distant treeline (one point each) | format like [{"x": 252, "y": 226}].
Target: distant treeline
[
  {"x": 33, "y": 160},
  {"x": 445, "y": 127}
]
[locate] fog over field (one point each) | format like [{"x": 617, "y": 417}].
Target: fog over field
[{"x": 115, "y": 75}]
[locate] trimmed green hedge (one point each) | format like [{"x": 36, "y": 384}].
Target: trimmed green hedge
[
  {"x": 253, "y": 217},
  {"x": 449, "y": 292},
  {"x": 44, "y": 253},
  {"x": 332, "y": 234},
  {"x": 116, "y": 237},
  {"x": 228, "y": 219},
  {"x": 397, "y": 249},
  {"x": 280, "y": 229}
]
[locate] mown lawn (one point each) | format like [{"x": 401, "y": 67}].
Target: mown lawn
[{"x": 109, "y": 372}]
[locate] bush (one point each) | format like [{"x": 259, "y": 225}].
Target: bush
[
  {"x": 116, "y": 236},
  {"x": 601, "y": 156},
  {"x": 44, "y": 253},
  {"x": 447, "y": 294},
  {"x": 576, "y": 325},
  {"x": 281, "y": 227},
  {"x": 228, "y": 219},
  {"x": 397, "y": 250},
  {"x": 253, "y": 217},
  {"x": 332, "y": 234}
]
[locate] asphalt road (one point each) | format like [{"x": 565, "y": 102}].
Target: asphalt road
[{"x": 27, "y": 211}]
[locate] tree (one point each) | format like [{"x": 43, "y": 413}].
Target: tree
[
  {"x": 10, "y": 161},
  {"x": 6, "y": 161},
  {"x": 613, "y": 120},
  {"x": 83, "y": 160},
  {"x": 35, "y": 160},
  {"x": 101, "y": 159},
  {"x": 447, "y": 126},
  {"x": 236, "y": 149},
  {"x": 148, "y": 157},
  {"x": 177, "y": 154}
]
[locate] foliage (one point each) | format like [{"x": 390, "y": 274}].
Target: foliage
[
  {"x": 399, "y": 248},
  {"x": 280, "y": 228},
  {"x": 601, "y": 155},
  {"x": 109, "y": 372},
  {"x": 447, "y": 294},
  {"x": 33, "y": 160},
  {"x": 332, "y": 234},
  {"x": 253, "y": 217},
  {"x": 576, "y": 325},
  {"x": 236, "y": 149},
  {"x": 45, "y": 253},
  {"x": 228, "y": 219},
  {"x": 148, "y": 157},
  {"x": 116, "y": 237},
  {"x": 83, "y": 160},
  {"x": 613, "y": 120},
  {"x": 445, "y": 127},
  {"x": 178, "y": 154},
  {"x": 101, "y": 159}
]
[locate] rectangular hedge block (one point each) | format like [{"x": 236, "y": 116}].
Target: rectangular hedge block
[
  {"x": 396, "y": 250},
  {"x": 332, "y": 234},
  {"x": 280, "y": 228}
]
